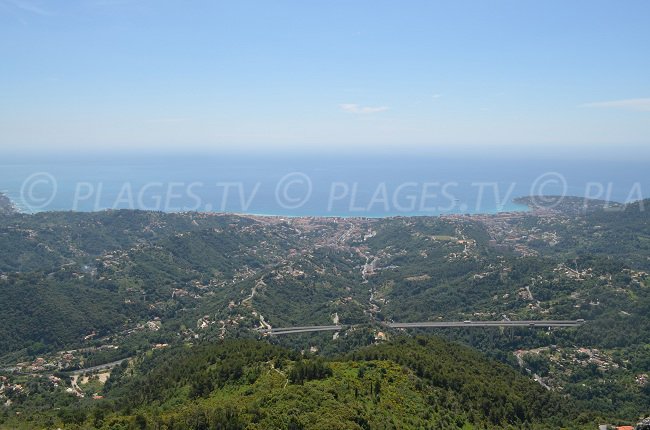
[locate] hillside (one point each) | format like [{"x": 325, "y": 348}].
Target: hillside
[
  {"x": 405, "y": 384},
  {"x": 6, "y": 206},
  {"x": 82, "y": 289}
]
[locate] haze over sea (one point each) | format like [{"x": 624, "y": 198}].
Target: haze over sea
[{"x": 309, "y": 185}]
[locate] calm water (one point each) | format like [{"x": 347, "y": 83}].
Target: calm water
[{"x": 358, "y": 186}]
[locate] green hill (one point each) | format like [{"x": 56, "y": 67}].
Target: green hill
[
  {"x": 116, "y": 284},
  {"x": 423, "y": 383}
]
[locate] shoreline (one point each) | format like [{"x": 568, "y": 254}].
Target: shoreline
[
  {"x": 522, "y": 205},
  {"x": 522, "y": 209}
]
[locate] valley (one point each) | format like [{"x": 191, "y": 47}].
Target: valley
[{"x": 85, "y": 293}]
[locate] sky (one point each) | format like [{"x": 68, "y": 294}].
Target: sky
[{"x": 325, "y": 75}]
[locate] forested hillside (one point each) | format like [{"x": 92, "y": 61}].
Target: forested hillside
[
  {"x": 406, "y": 384},
  {"x": 86, "y": 289}
]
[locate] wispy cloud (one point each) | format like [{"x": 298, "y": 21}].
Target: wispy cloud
[
  {"x": 29, "y": 6},
  {"x": 627, "y": 104},
  {"x": 357, "y": 109}
]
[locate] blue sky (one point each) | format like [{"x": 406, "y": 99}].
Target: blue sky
[{"x": 334, "y": 74}]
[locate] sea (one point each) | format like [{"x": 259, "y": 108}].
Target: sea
[{"x": 309, "y": 185}]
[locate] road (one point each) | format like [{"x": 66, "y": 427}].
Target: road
[
  {"x": 452, "y": 324},
  {"x": 96, "y": 368},
  {"x": 433, "y": 324},
  {"x": 303, "y": 329}
]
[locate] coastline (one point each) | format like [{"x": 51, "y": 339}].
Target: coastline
[
  {"x": 511, "y": 208},
  {"x": 520, "y": 205}
]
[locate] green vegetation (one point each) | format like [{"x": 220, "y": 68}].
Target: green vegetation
[
  {"x": 407, "y": 384},
  {"x": 84, "y": 289}
]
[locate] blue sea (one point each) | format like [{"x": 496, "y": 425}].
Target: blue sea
[{"x": 366, "y": 186}]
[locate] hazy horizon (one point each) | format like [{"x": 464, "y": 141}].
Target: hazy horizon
[{"x": 513, "y": 153}]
